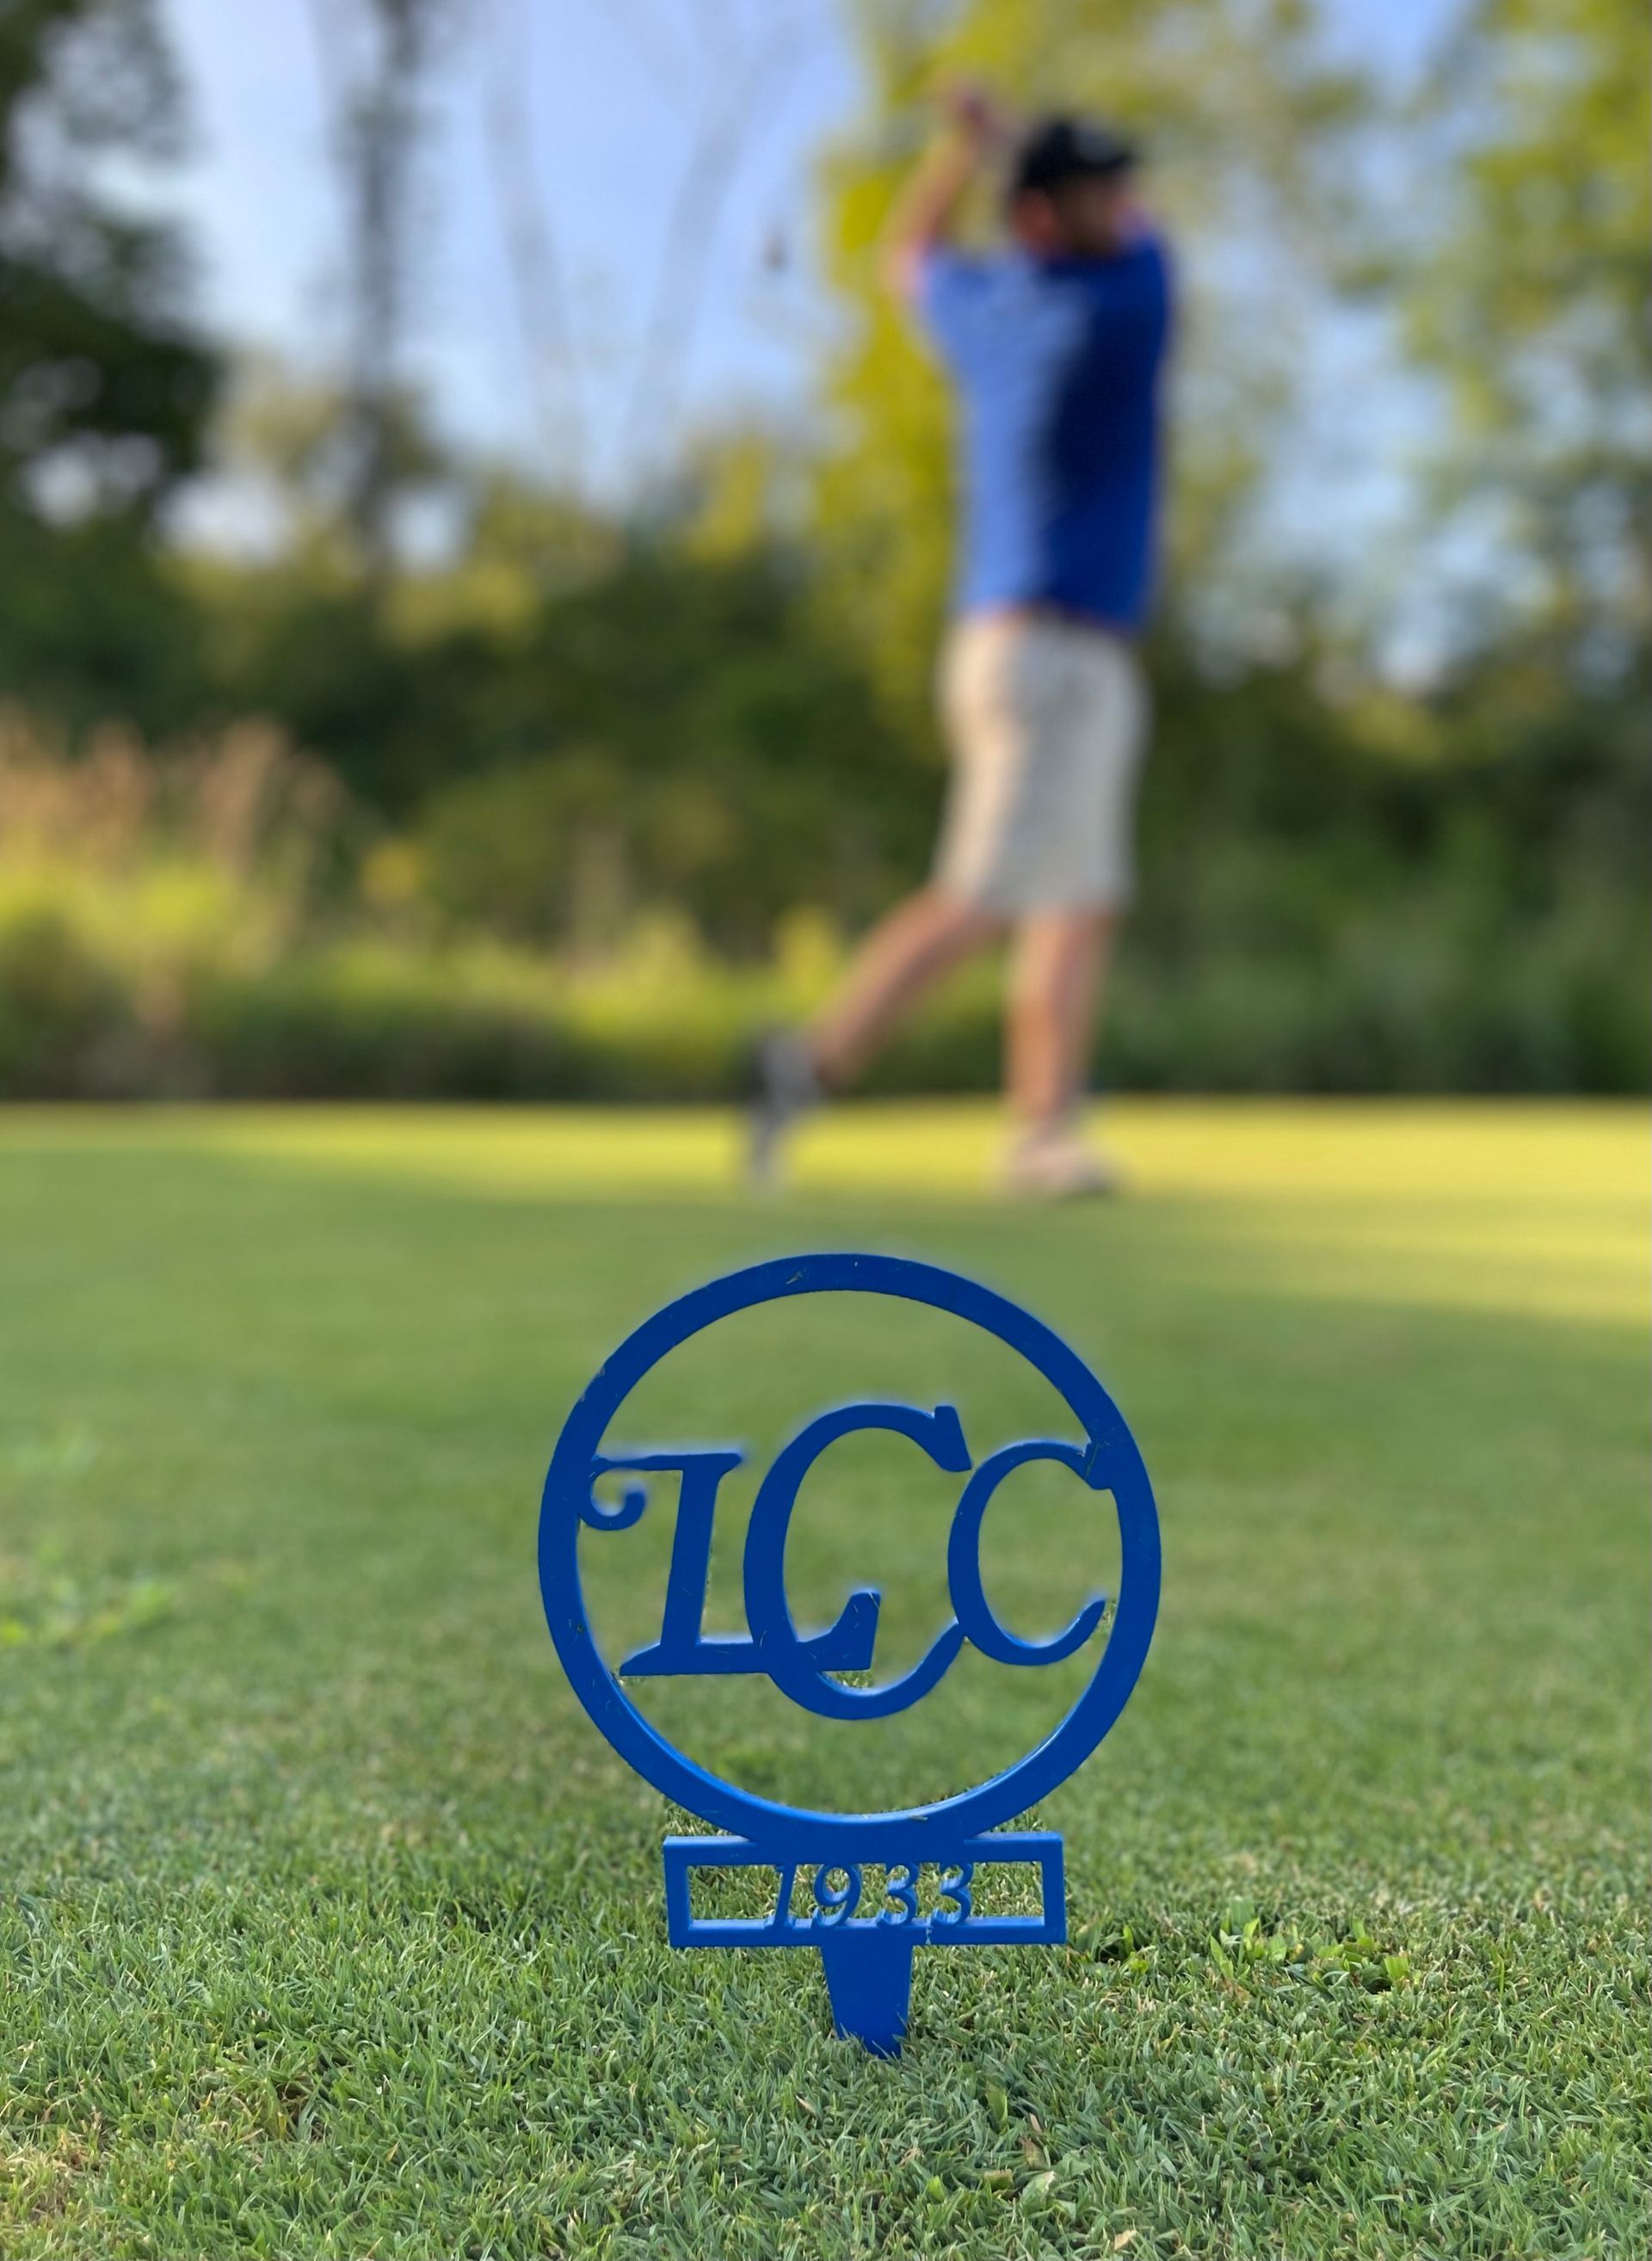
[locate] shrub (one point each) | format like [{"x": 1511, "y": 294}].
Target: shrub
[{"x": 182, "y": 925}]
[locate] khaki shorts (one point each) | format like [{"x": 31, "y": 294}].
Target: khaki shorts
[{"x": 1047, "y": 723}]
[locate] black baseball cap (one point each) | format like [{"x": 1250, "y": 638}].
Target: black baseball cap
[{"x": 1056, "y": 150}]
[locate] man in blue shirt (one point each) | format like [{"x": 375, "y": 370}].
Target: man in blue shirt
[{"x": 1055, "y": 346}]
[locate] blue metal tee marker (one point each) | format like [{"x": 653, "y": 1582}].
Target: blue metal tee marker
[{"x": 866, "y": 1951}]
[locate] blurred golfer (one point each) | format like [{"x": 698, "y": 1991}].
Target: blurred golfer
[{"x": 1055, "y": 344}]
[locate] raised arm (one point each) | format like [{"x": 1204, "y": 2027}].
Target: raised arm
[{"x": 979, "y": 130}]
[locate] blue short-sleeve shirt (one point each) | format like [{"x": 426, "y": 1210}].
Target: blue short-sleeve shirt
[{"x": 1057, "y": 364}]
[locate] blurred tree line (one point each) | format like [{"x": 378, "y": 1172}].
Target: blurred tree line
[{"x": 557, "y": 729}]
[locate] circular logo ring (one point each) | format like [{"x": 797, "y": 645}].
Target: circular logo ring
[{"x": 1117, "y": 1466}]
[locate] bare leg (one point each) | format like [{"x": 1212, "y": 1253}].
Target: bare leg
[
  {"x": 1059, "y": 963},
  {"x": 903, "y": 956}
]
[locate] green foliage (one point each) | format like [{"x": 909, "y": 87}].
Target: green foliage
[
  {"x": 93, "y": 628},
  {"x": 96, "y": 375},
  {"x": 59, "y": 1004},
  {"x": 105, "y": 394},
  {"x": 327, "y": 1920},
  {"x": 679, "y": 709},
  {"x": 1368, "y": 893},
  {"x": 1529, "y": 296},
  {"x": 1246, "y": 1949},
  {"x": 703, "y": 747},
  {"x": 129, "y": 885},
  {"x": 1364, "y": 918}
]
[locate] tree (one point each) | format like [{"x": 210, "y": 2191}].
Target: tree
[
  {"x": 378, "y": 56},
  {"x": 1530, "y": 301},
  {"x": 105, "y": 391}
]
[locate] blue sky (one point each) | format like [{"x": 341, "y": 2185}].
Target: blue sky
[
  {"x": 610, "y": 112},
  {"x": 608, "y": 92}
]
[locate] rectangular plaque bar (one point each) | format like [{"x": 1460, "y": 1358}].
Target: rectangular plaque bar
[{"x": 952, "y": 1925}]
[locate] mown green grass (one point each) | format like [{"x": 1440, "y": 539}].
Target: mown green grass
[{"x": 329, "y": 1925}]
